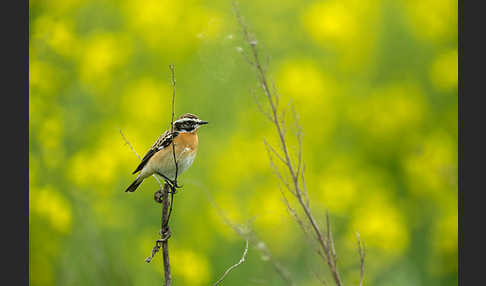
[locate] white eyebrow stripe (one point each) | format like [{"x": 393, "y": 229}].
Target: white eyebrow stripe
[{"x": 186, "y": 119}]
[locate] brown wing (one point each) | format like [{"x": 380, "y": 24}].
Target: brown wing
[{"x": 163, "y": 141}]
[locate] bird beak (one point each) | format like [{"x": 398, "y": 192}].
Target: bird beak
[{"x": 201, "y": 122}]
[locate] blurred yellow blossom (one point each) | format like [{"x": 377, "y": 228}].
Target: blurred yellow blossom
[
  {"x": 40, "y": 270},
  {"x": 271, "y": 215},
  {"x": 381, "y": 225},
  {"x": 50, "y": 204},
  {"x": 432, "y": 168},
  {"x": 338, "y": 192},
  {"x": 444, "y": 70},
  {"x": 148, "y": 95},
  {"x": 97, "y": 167},
  {"x": 446, "y": 233},
  {"x": 57, "y": 33},
  {"x": 445, "y": 243},
  {"x": 171, "y": 26},
  {"x": 111, "y": 215},
  {"x": 433, "y": 20},
  {"x": 56, "y": 6},
  {"x": 311, "y": 91},
  {"x": 193, "y": 267},
  {"x": 343, "y": 25},
  {"x": 380, "y": 137},
  {"x": 50, "y": 135},
  {"x": 229, "y": 174},
  {"x": 389, "y": 110},
  {"x": 101, "y": 54},
  {"x": 43, "y": 76},
  {"x": 305, "y": 82},
  {"x": 51, "y": 132}
]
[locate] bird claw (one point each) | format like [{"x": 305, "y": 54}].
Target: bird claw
[{"x": 174, "y": 186}]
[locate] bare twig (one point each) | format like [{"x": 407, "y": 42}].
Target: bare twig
[
  {"x": 172, "y": 71},
  {"x": 320, "y": 279},
  {"x": 259, "y": 106},
  {"x": 362, "y": 255},
  {"x": 304, "y": 186},
  {"x": 162, "y": 196},
  {"x": 299, "y": 191},
  {"x": 330, "y": 238},
  {"x": 300, "y": 222},
  {"x": 165, "y": 229},
  {"x": 245, "y": 252},
  {"x": 275, "y": 152},
  {"x": 298, "y": 134},
  {"x": 165, "y": 234},
  {"x": 260, "y": 245}
]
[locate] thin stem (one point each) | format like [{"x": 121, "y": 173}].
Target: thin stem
[
  {"x": 260, "y": 245},
  {"x": 166, "y": 230},
  {"x": 262, "y": 78},
  {"x": 245, "y": 252},
  {"x": 172, "y": 71},
  {"x": 362, "y": 255}
]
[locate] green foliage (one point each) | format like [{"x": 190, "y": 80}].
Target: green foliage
[{"x": 374, "y": 82}]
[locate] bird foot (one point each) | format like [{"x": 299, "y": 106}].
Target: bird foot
[{"x": 173, "y": 186}]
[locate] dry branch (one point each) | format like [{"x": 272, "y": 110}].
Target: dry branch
[
  {"x": 162, "y": 196},
  {"x": 248, "y": 235},
  {"x": 362, "y": 255},
  {"x": 295, "y": 171},
  {"x": 245, "y": 252}
]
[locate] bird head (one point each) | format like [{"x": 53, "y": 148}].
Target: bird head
[{"x": 188, "y": 123}]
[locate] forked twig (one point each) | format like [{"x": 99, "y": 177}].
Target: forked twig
[
  {"x": 362, "y": 255},
  {"x": 249, "y": 236},
  {"x": 162, "y": 196},
  {"x": 172, "y": 71},
  {"x": 295, "y": 171},
  {"x": 245, "y": 252}
]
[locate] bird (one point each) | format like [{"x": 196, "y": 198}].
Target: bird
[{"x": 182, "y": 141}]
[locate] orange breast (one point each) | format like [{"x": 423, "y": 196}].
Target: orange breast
[{"x": 186, "y": 140}]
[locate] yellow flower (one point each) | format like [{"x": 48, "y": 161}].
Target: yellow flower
[
  {"x": 444, "y": 70},
  {"x": 304, "y": 82},
  {"x": 193, "y": 267},
  {"x": 338, "y": 192},
  {"x": 173, "y": 27},
  {"x": 40, "y": 270},
  {"x": 431, "y": 169},
  {"x": 150, "y": 96},
  {"x": 271, "y": 216},
  {"x": 58, "y": 34},
  {"x": 433, "y": 20},
  {"x": 381, "y": 225},
  {"x": 444, "y": 241},
  {"x": 101, "y": 55},
  {"x": 50, "y": 204},
  {"x": 42, "y": 75},
  {"x": 389, "y": 110},
  {"x": 108, "y": 156},
  {"x": 228, "y": 173},
  {"x": 349, "y": 27}
]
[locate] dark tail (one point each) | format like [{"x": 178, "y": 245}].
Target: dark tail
[{"x": 134, "y": 185}]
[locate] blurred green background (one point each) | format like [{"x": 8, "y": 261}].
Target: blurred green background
[{"x": 374, "y": 82}]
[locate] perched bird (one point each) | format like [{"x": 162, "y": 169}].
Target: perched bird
[{"x": 160, "y": 158}]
